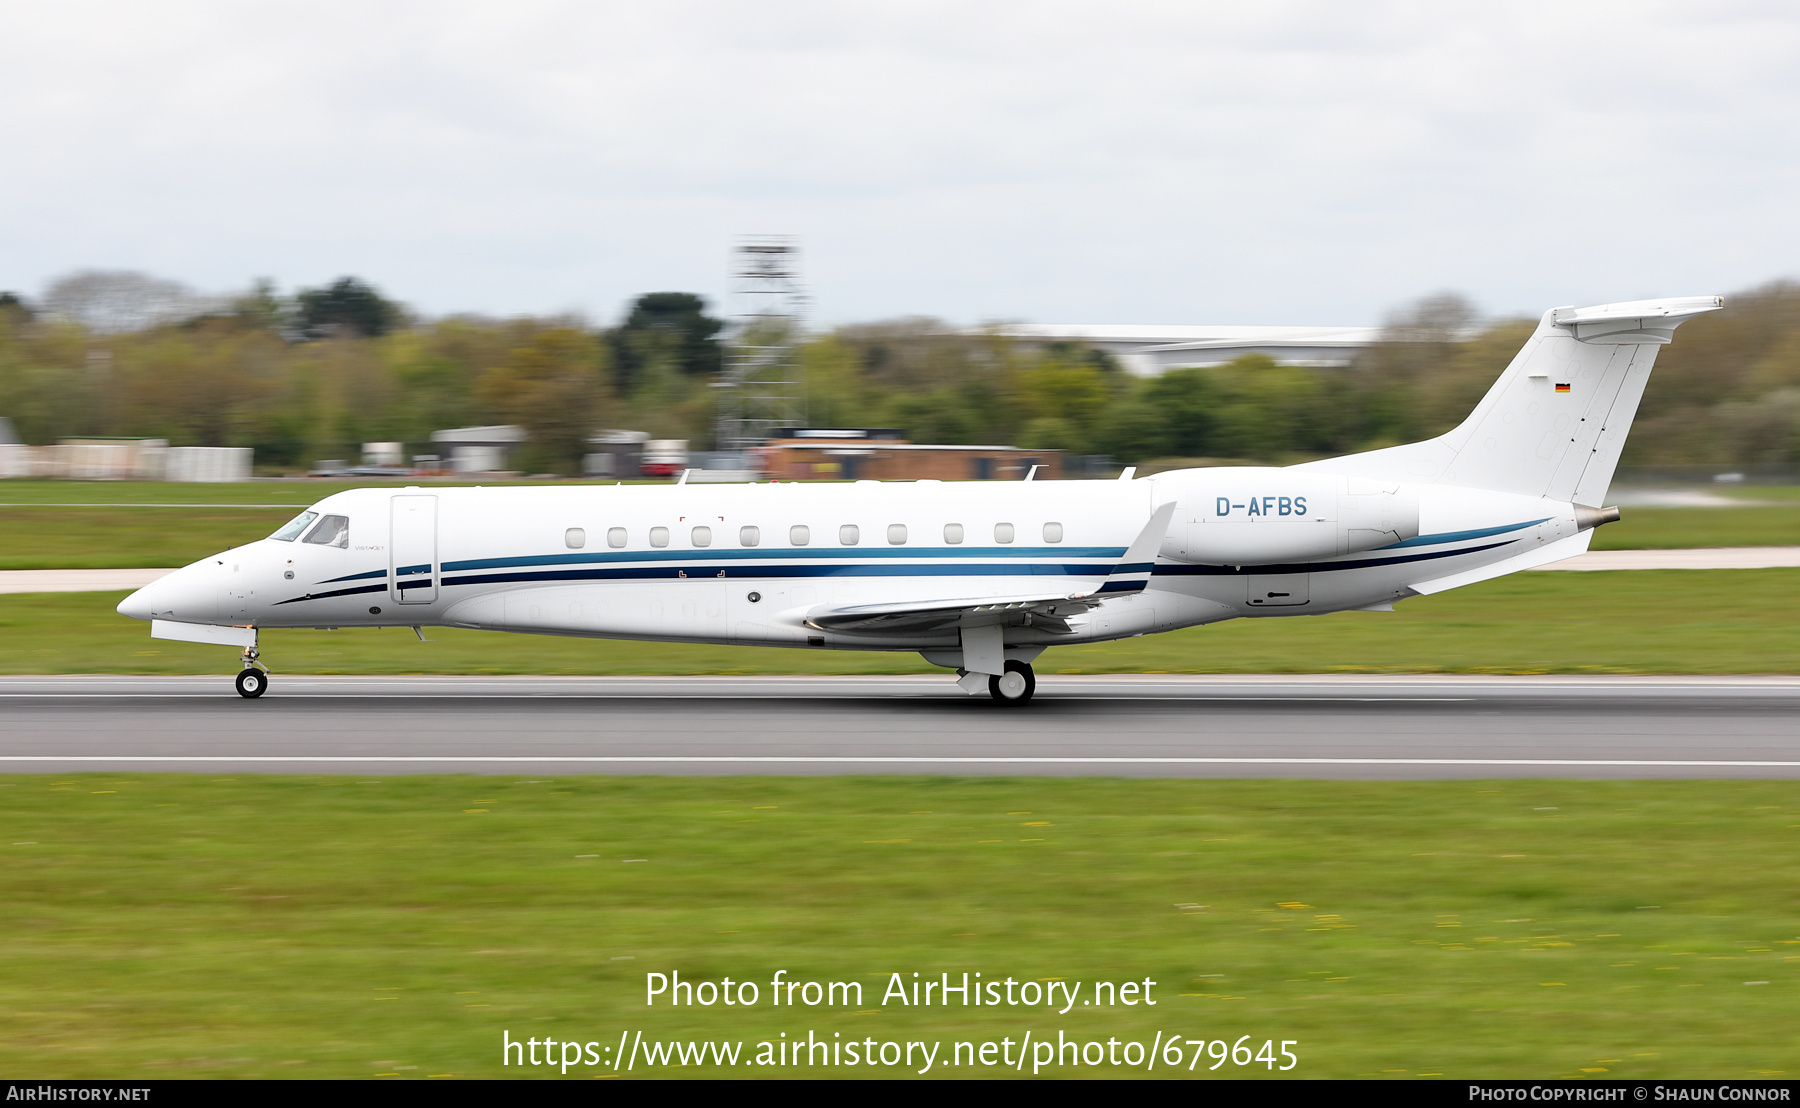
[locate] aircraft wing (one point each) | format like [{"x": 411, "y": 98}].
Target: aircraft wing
[
  {"x": 1049, "y": 611},
  {"x": 1046, "y": 611}
]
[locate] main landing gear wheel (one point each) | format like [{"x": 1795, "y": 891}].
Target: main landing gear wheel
[
  {"x": 252, "y": 683},
  {"x": 1015, "y": 686}
]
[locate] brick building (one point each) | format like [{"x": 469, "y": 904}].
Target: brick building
[{"x": 884, "y": 454}]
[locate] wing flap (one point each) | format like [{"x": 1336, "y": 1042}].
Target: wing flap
[{"x": 1048, "y": 611}]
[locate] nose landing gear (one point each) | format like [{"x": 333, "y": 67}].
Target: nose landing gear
[
  {"x": 1015, "y": 686},
  {"x": 254, "y": 680}
]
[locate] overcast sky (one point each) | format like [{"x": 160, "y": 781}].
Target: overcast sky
[{"x": 1121, "y": 162}]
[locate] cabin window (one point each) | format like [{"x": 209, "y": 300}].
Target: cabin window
[
  {"x": 1052, "y": 532},
  {"x": 897, "y": 534},
  {"x": 659, "y": 536},
  {"x": 703, "y": 536},
  {"x": 1003, "y": 532},
  {"x": 615, "y": 537},
  {"x": 575, "y": 538},
  {"x": 849, "y": 535},
  {"x": 953, "y": 533},
  {"x": 799, "y": 534},
  {"x": 330, "y": 531},
  {"x": 291, "y": 530},
  {"x": 749, "y": 536}
]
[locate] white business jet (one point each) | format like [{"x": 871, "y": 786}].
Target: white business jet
[{"x": 981, "y": 577}]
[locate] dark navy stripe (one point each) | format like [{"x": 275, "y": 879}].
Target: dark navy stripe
[
  {"x": 330, "y": 595},
  {"x": 702, "y": 573},
  {"x": 714, "y": 572},
  {"x": 1318, "y": 567},
  {"x": 754, "y": 554},
  {"x": 1462, "y": 536}
]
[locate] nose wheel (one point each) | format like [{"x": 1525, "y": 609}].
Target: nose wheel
[
  {"x": 1015, "y": 686},
  {"x": 254, "y": 680}
]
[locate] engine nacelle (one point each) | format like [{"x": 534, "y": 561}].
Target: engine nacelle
[{"x": 1254, "y": 516}]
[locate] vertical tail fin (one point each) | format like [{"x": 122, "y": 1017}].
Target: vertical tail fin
[{"x": 1555, "y": 422}]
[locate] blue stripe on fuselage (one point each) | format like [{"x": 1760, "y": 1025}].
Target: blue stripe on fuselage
[
  {"x": 1010, "y": 553},
  {"x": 1014, "y": 567},
  {"x": 1462, "y": 536},
  {"x": 667, "y": 573},
  {"x": 524, "y": 561}
]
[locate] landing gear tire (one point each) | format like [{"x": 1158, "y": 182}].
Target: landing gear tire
[
  {"x": 1015, "y": 686},
  {"x": 252, "y": 683}
]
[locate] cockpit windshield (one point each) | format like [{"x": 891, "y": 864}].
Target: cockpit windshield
[
  {"x": 330, "y": 531},
  {"x": 292, "y": 529}
]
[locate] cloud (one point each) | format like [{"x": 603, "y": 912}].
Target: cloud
[{"x": 1151, "y": 162}]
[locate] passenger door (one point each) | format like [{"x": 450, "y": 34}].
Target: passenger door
[{"x": 412, "y": 549}]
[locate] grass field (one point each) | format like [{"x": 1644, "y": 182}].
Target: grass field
[
  {"x": 117, "y": 525},
  {"x": 1644, "y": 621},
  {"x": 185, "y": 925},
  {"x": 1678, "y": 528},
  {"x": 127, "y": 538}
]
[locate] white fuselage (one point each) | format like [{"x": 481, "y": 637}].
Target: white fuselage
[{"x": 751, "y": 564}]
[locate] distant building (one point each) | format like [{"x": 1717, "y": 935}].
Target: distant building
[
  {"x": 664, "y": 457},
  {"x": 615, "y": 453},
  {"x": 1152, "y": 351},
  {"x": 126, "y": 459},
  {"x": 479, "y": 449},
  {"x": 207, "y": 463},
  {"x": 383, "y": 453},
  {"x": 884, "y": 454}
]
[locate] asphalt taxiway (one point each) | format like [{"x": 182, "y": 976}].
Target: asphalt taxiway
[{"x": 1141, "y": 726}]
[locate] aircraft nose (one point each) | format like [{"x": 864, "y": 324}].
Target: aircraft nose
[
  {"x": 137, "y": 605},
  {"x": 172, "y": 596}
]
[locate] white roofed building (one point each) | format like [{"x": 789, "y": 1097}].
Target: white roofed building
[{"x": 1147, "y": 351}]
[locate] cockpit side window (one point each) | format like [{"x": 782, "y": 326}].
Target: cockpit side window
[
  {"x": 291, "y": 530},
  {"x": 330, "y": 531}
]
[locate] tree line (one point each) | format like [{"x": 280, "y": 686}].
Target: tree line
[{"x": 314, "y": 374}]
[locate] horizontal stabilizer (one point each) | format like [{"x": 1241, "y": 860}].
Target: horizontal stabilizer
[{"x": 1641, "y": 321}]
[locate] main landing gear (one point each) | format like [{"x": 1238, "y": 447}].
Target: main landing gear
[
  {"x": 1015, "y": 686},
  {"x": 254, "y": 680}
]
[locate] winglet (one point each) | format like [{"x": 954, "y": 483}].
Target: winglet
[{"x": 1133, "y": 571}]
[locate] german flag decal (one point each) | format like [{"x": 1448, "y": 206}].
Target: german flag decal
[{"x": 1561, "y": 387}]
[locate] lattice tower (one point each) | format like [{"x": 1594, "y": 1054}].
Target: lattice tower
[{"x": 763, "y": 387}]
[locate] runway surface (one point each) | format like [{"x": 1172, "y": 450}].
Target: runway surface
[{"x": 1150, "y": 726}]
